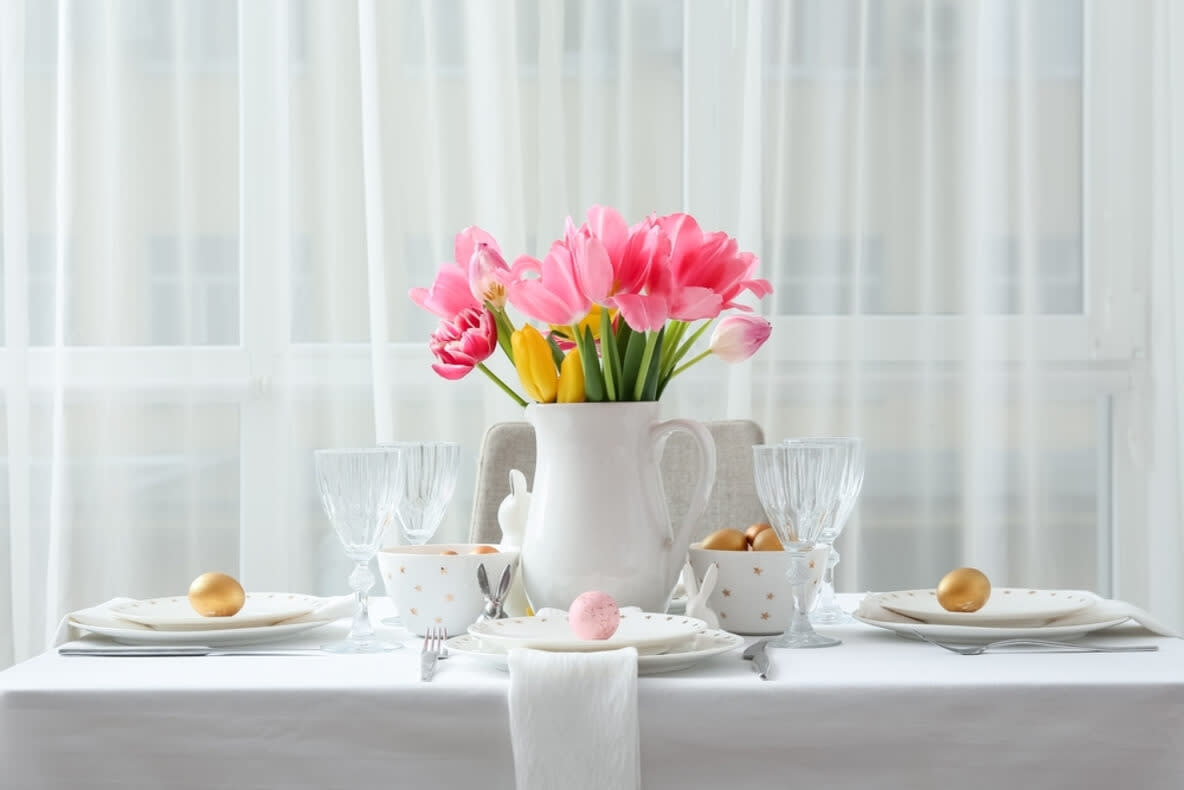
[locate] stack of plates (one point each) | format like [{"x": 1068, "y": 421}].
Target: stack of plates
[
  {"x": 664, "y": 642},
  {"x": 1010, "y": 613},
  {"x": 265, "y": 617}
]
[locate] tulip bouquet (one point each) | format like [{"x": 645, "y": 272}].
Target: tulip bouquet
[{"x": 620, "y": 307}]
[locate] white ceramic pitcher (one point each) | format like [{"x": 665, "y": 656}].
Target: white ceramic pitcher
[{"x": 598, "y": 518}]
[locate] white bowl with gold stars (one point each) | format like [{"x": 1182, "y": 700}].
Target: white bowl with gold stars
[
  {"x": 432, "y": 588},
  {"x": 752, "y": 595}
]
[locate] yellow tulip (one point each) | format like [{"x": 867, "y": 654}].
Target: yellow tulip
[
  {"x": 590, "y": 321},
  {"x": 571, "y": 378},
  {"x": 535, "y": 365}
]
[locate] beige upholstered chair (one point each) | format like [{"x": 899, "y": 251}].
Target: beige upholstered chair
[{"x": 733, "y": 503}]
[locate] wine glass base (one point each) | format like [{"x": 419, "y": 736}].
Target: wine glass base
[
  {"x": 834, "y": 616},
  {"x": 810, "y": 639},
  {"x": 365, "y": 646}
]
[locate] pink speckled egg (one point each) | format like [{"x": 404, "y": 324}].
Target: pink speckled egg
[{"x": 594, "y": 615}]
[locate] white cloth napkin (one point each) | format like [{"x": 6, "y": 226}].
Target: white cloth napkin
[
  {"x": 1101, "y": 609},
  {"x": 573, "y": 719},
  {"x": 328, "y": 609}
]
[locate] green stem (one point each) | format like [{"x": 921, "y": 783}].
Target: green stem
[
  {"x": 501, "y": 384},
  {"x": 639, "y": 385},
  {"x": 681, "y": 368}
]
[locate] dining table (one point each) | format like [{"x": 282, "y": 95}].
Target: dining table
[{"x": 878, "y": 711}]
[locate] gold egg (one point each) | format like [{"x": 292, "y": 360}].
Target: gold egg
[
  {"x": 216, "y": 595},
  {"x": 726, "y": 540},
  {"x": 963, "y": 590},
  {"x": 755, "y": 530},
  {"x": 484, "y": 550},
  {"x": 767, "y": 540}
]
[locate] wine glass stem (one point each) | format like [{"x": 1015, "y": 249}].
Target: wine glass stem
[
  {"x": 827, "y": 593},
  {"x": 799, "y": 582},
  {"x": 360, "y": 581}
]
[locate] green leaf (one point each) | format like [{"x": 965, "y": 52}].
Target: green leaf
[
  {"x": 650, "y": 390},
  {"x": 631, "y": 367},
  {"x": 612, "y": 359},
  {"x": 624, "y": 332},
  {"x": 593, "y": 381},
  {"x": 505, "y": 328},
  {"x": 556, "y": 351}
]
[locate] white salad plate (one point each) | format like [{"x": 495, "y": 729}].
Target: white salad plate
[
  {"x": 649, "y": 632},
  {"x": 1007, "y": 607},
  {"x": 1076, "y": 627},
  {"x": 232, "y": 637},
  {"x": 703, "y": 645},
  {"x": 177, "y": 614}
]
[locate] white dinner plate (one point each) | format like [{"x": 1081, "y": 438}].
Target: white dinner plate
[
  {"x": 970, "y": 634},
  {"x": 647, "y": 631},
  {"x": 177, "y": 614},
  {"x": 703, "y": 645},
  {"x": 231, "y": 637},
  {"x": 1007, "y": 607}
]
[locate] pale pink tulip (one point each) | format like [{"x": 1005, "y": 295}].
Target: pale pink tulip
[
  {"x": 449, "y": 294},
  {"x": 708, "y": 270},
  {"x": 554, "y": 296},
  {"x": 486, "y": 269},
  {"x": 737, "y": 337},
  {"x": 460, "y": 344}
]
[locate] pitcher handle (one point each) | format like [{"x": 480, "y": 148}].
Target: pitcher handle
[{"x": 702, "y": 492}]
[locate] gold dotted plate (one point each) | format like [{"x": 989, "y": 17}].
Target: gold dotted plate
[
  {"x": 175, "y": 613},
  {"x": 1007, "y": 606},
  {"x": 645, "y": 631}
]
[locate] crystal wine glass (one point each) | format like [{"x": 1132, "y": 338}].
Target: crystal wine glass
[
  {"x": 428, "y": 481},
  {"x": 360, "y": 490},
  {"x": 797, "y": 485},
  {"x": 828, "y": 611}
]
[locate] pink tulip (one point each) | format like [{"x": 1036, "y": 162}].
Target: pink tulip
[
  {"x": 451, "y": 292},
  {"x": 486, "y": 268},
  {"x": 737, "y": 337},
  {"x": 463, "y": 342},
  {"x": 708, "y": 270},
  {"x": 554, "y": 296}
]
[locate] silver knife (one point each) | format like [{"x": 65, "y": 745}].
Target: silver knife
[
  {"x": 757, "y": 654},
  {"x": 180, "y": 651},
  {"x": 427, "y": 665}
]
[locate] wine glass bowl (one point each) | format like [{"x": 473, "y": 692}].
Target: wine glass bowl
[
  {"x": 798, "y": 486},
  {"x": 360, "y": 490},
  {"x": 429, "y": 480}
]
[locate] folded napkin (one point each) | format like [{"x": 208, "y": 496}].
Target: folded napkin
[
  {"x": 101, "y": 616},
  {"x": 1101, "y": 609},
  {"x": 573, "y": 719}
]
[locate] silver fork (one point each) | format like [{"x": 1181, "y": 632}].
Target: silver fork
[
  {"x": 1042, "y": 645},
  {"x": 433, "y": 651}
]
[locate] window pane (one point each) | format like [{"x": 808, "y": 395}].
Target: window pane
[{"x": 925, "y": 157}]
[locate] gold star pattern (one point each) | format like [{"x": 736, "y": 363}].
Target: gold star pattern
[
  {"x": 757, "y": 571},
  {"x": 727, "y": 594},
  {"x": 448, "y": 597},
  {"x": 723, "y": 615},
  {"x": 413, "y": 611},
  {"x": 764, "y": 615},
  {"x": 402, "y": 569},
  {"x": 439, "y": 619},
  {"x": 418, "y": 588},
  {"x": 769, "y": 596},
  {"x": 443, "y": 570},
  {"x": 811, "y": 563}
]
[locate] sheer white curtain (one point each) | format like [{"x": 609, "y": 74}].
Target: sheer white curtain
[{"x": 211, "y": 212}]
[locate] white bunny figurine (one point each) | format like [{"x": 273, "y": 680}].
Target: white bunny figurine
[
  {"x": 697, "y": 594},
  {"x": 511, "y": 517}
]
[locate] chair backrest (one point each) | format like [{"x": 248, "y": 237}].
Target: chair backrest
[{"x": 733, "y": 503}]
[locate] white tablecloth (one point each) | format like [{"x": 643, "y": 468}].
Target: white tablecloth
[{"x": 877, "y": 712}]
